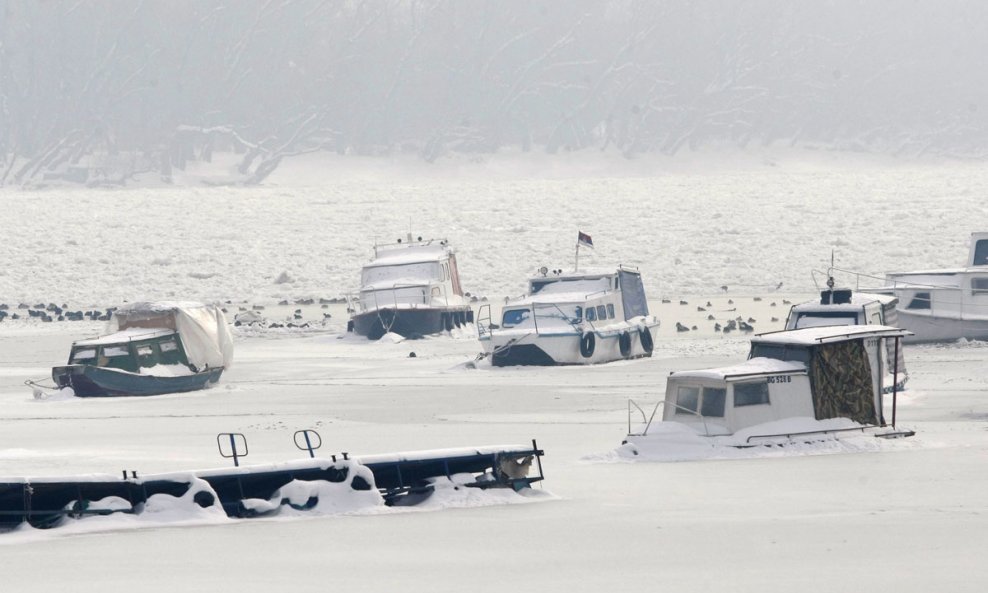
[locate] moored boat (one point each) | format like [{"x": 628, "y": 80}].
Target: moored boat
[
  {"x": 944, "y": 304},
  {"x": 817, "y": 382},
  {"x": 410, "y": 288},
  {"x": 156, "y": 348},
  {"x": 572, "y": 318}
]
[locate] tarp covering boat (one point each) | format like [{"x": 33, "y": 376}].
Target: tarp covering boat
[{"x": 204, "y": 330}]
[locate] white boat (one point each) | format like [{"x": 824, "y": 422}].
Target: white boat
[
  {"x": 946, "y": 304},
  {"x": 817, "y": 382},
  {"x": 410, "y": 288},
  {"x": 841, "y": 306},
  {"x": 571, "y": 318}
]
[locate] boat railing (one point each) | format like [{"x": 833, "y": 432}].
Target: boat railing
[
  {"x": 633, "y": 406},
  {"x": 408, "y": 299}
]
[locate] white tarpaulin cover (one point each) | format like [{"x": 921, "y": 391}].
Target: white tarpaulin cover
[{"x": 203, "y": 328}]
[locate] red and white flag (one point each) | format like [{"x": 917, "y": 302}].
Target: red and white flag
[{"x": 584, "y": 239}]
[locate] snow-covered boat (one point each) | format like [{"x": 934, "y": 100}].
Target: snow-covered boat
[
  {"x": 571, "y": 318},
  {"x": 816, "y": 382},
  {"x": 153, "y": 348},
  {"x": 842, "y": 306},
  {"x": 945, "y": 304},
  {"x": 409, "y": 288}
]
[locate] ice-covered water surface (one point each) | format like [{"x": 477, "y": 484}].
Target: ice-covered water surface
[{"x": 690, "y": 229}]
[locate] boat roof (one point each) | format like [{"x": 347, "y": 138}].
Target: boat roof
[
  {"x": 585, "y": 274},
  {"x": 812, "y": 336},
  {"x": 752, "y": 368},
  {"x": 858, "y": 300},
  {"x": 128, "y": 335},
  {"x": 416, "y": 252}
]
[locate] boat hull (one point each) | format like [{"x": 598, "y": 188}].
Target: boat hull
[
  {"x": 565, "y": 348},
  {"x": 410, "y": 322},
  {"x": 92, "y": 381},
  {"x": 932, "y": 328}
]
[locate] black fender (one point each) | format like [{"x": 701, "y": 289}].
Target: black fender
[{"x": 588, "y": 342}]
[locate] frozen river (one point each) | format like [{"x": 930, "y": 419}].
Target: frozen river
[{"x": 911, "y": 518}]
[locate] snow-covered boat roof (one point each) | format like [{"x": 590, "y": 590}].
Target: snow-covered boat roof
[
  {"x": 128, "y": 335},
  {"x": 409, "y": 253},
  {"x": 858, "y": 300},
  {"x": 749, "y": 369},
  {"x": 587, "y": 274},
  {"x": 812, "y": 336}
]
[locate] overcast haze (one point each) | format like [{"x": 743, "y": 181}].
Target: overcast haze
[{"x": 149, "y": 86}]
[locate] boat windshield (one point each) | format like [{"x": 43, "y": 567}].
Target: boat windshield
[
  {"x": 569, "y": 285},
  {"x": 546, "y": 315},
  {"x": 821, "y": 318},
  {"x": 401, "y": 272},
  {"x": 781, "y": 352}
]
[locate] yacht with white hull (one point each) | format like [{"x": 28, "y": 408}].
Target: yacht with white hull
[
  {"x": 571, "y": 318},
  {"x": 946, "y": 304}
]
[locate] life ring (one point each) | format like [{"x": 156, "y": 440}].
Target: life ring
[
  {"x": 624, "y": 343},
  {"x": 587, "y": 344},
  {"x": 646, "y": 339}
]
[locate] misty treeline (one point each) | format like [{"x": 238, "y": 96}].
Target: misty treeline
[{"x": 98, "y": 91}]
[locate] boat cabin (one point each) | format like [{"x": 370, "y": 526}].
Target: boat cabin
[
  {"x": 410, "y": 274},
  {"x": 844, "y": 307},
  {"x": 132, "y": 350},
  {"x": 817, "y": 372},
  {"x": 562, "y": 300}
]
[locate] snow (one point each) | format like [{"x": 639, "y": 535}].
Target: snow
[
  {"x": 749, "y": 368},
  {"x": 127, "y": 335},
  {"x": 798, "y": 518},
  {"x": 810, "y": 336}
]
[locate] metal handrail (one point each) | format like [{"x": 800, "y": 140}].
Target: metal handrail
[
  {"x": 703, "y": 419},
  {"x": 803, "y": 433}
]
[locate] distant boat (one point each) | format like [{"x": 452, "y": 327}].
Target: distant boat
[
  {"x": 572, "y": 318},
  {"x": 796, "y": 384},
  {"x": 157, "y": 348},
  {"x": 409, "y": 288},
  {"x": 841, "y": 306},
  {"x": 944, "y": 304}
]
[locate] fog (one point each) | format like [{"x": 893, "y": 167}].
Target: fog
[{"x": 108, "y": 89}]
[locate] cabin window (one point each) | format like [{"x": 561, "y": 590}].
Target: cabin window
[
  {"x": 579, "y": 313},
  {"x": 170, "y": 354},
  {"x": 822, "y": 318},
  {"x": 515, "y": 317},
  {"x": 601, "y": 312},
  {"x": 980, "y": 253},
  {"x": 688, "y": 400},
  {"x": 921, "y": 300},
  {"x": 147, "y": 355},
  {"x": 610, "y": 311},
  {"x": 979, "y": 285},
  {"x": 83, "y": 355},
  {"x": 780, "y": 352},
  {"x": 750, "y": 394},
  {"x": 117, "y": 357},
  {"x": 591, "y": 314},
  {"x": 713, "y": 401}
]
